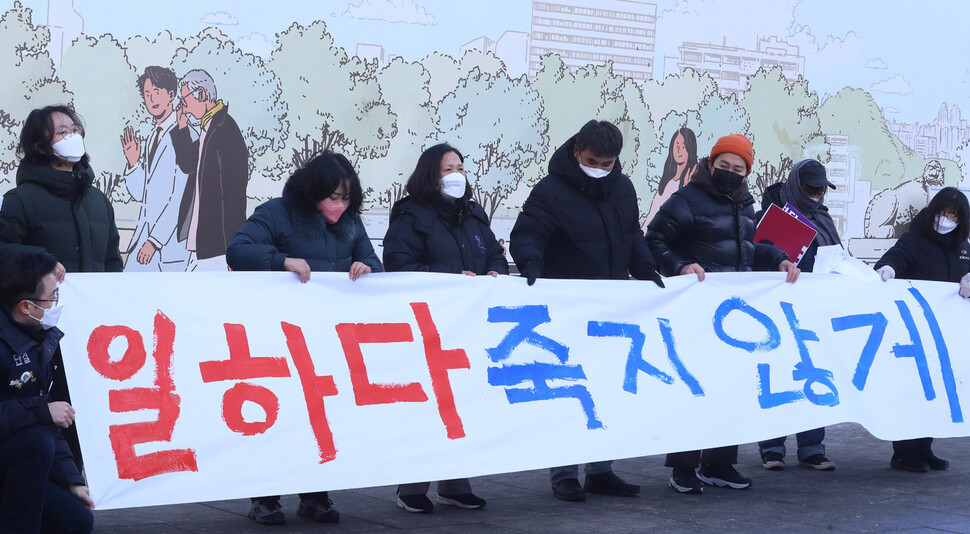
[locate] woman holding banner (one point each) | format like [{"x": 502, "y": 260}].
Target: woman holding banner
[
  {"x": 804, "y": 191},
  {"x": 935, "y": 248},
  {"x": 708, "y": 225},
  {"x": 314, "y": 226},
  {"x": 438, "y": 228}
]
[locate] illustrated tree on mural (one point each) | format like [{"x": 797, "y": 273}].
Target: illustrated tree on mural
[
  {"x": 403, "y": 87},
  {"x": 783, "y": 122},
  {"x": 244, "y": 82},
  {"x": 446, "y": 72},
  {"x": 28, "y": 80},
  {"x": 106, "y": 109},
  {"x": 718, "y": 115},
  {"x": 334, "y": 100},
  {"x": 498, "y": 123},
  {"x": 143, "y": 52}
]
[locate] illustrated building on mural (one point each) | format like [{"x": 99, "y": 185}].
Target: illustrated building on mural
[
  {"x": 372, "y": 52},
  {"x": 512, "y": 48},
  {"x": 65, "y": 25},
  {"x": 595, "y": 31},
  {"x": 937, "y": 139},
  {"x": 730, "y": 66},
  {"x": 841, "y": 172}
]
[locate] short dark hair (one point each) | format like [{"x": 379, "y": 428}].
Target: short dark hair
[
  {"x": 22, "y": 270},
  {"x": 424, "y": 184},
  {"x": 321, "y": 176},
  {"x": 161, "y": 77},
  {"x": 35, "y": 137},
  {"x": 949, "y": 198},
  {"x": 602, "y": 137}
]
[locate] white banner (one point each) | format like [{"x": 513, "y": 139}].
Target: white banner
[{"x": 203, "y": 386}]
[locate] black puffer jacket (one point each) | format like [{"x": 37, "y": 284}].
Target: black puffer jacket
[
  {"x": 448, "y": 238},
  {"x": 62, "y": 213},
  {"x": 287, "y": 227},
  {"x": 923, "y": 254},
  {"x": 575, "y": 226},
  {"x": 700, "y": 225}
]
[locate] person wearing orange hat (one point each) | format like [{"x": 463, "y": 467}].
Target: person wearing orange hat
[{"x": 708, "y": 226}]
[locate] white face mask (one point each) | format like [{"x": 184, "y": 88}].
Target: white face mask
[
  {"x": 50, "y": 315},
  {"x": 453, "y": 185},
  {"x": 593, "y": 172},
  {"x": 944, "y": 225},
  {"x": 70, "y": 148}
]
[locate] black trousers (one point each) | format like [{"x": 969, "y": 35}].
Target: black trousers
[
  {"x": 30, "y": 502},
  {"x": 693, "y": 459}
]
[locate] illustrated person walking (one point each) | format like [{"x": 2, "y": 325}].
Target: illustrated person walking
[
  {"x": 935, "y": 248},
  {"x": 582, "y": 222},
  {"x": 708, "y": 226},
  {"x": 314, "y": 227},
  {"x": 438, "y": 228}
]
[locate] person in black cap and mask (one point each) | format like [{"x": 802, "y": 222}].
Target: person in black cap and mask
[
  {"x": 582, "y": 222},
  {"x": 708, "y": 226},
  {"x": 805, "y": 191}
]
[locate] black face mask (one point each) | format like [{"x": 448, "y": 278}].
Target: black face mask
[{"x": 726, "y": 181}]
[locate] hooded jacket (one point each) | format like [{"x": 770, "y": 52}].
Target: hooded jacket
[
  {"x": 290, "y": 227},
  {"x": 441, "y": 238},
  {"x": 574, "y": 226},
  {"x": 923, "y": 254},
  {"x": 26, "y": 373},
  {"x": 790, "y": 192},
  {"x": 62, "y": 213},
  {"x": 699, "y": 224}
]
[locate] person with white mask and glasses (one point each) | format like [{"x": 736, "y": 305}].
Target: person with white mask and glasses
[
  {"x": 935, "y": 248},
  {"x": 438, "y": 228}
]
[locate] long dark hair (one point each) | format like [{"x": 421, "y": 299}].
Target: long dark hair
[
  {"x": 321, "y": 176},
  {"x": 949, "y": 198},
  {"x": 670, "y": 167},
  {"x": 38, "y": 130},
  {"x": 424, "y": 184}
]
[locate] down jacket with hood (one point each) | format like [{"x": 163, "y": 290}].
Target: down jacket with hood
[
  {"x": 290, "y": 227},
  {"x": 62, "y": 213},
  {"x": 923, "y": 254},
  {"x": 442, "y": 237},
  {"x": 574, "y": 226},
  {"x": 702, "y": 225}
]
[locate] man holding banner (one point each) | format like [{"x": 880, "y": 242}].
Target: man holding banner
[
  {"x": 582, "y": 222},
  {"x": 43, "y": 489},
  {"x": 708, "y": 225}
]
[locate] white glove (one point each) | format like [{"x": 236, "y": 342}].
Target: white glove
[
  {"x": 965, "y": 286},
  {"x": 886, "y": 272}
]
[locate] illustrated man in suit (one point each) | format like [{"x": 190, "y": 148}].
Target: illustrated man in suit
[
  {"x": 154, "y": 179},
  {"x": 214, "y": 203}
]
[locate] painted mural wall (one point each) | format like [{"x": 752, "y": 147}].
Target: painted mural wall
[{"x": 873, "y": 90}]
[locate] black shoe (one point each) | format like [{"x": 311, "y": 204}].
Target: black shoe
[
  {"x": 569, "y": 490},
  {"x": 266, "y": 512},
  {"x": 319, "y": 508},
  {"x": 934, "y": 461},
  {"x": 773, "y": 461},
  {"x": 722, "y": 476},
  {"x": 909, "y": 461},
  {"x": 416, "y": 504},
  {"x": 818, "y": 462},
  {"x": 684, "y": 480},
  {"x": 610, "y": 484},
  {"x": 468, "y": 501}
]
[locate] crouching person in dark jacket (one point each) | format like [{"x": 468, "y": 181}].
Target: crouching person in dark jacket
[
  {"x": 582, "y": 222},
  {"x": 438, "y": 228},
  {"x": 43, "y": 489},
  {"x": 708, "y": 226}
]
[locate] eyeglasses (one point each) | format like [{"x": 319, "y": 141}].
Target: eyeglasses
[{"x": 56, "y": 296}]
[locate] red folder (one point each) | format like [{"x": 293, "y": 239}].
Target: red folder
[{"x": 785, "y": 232}]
